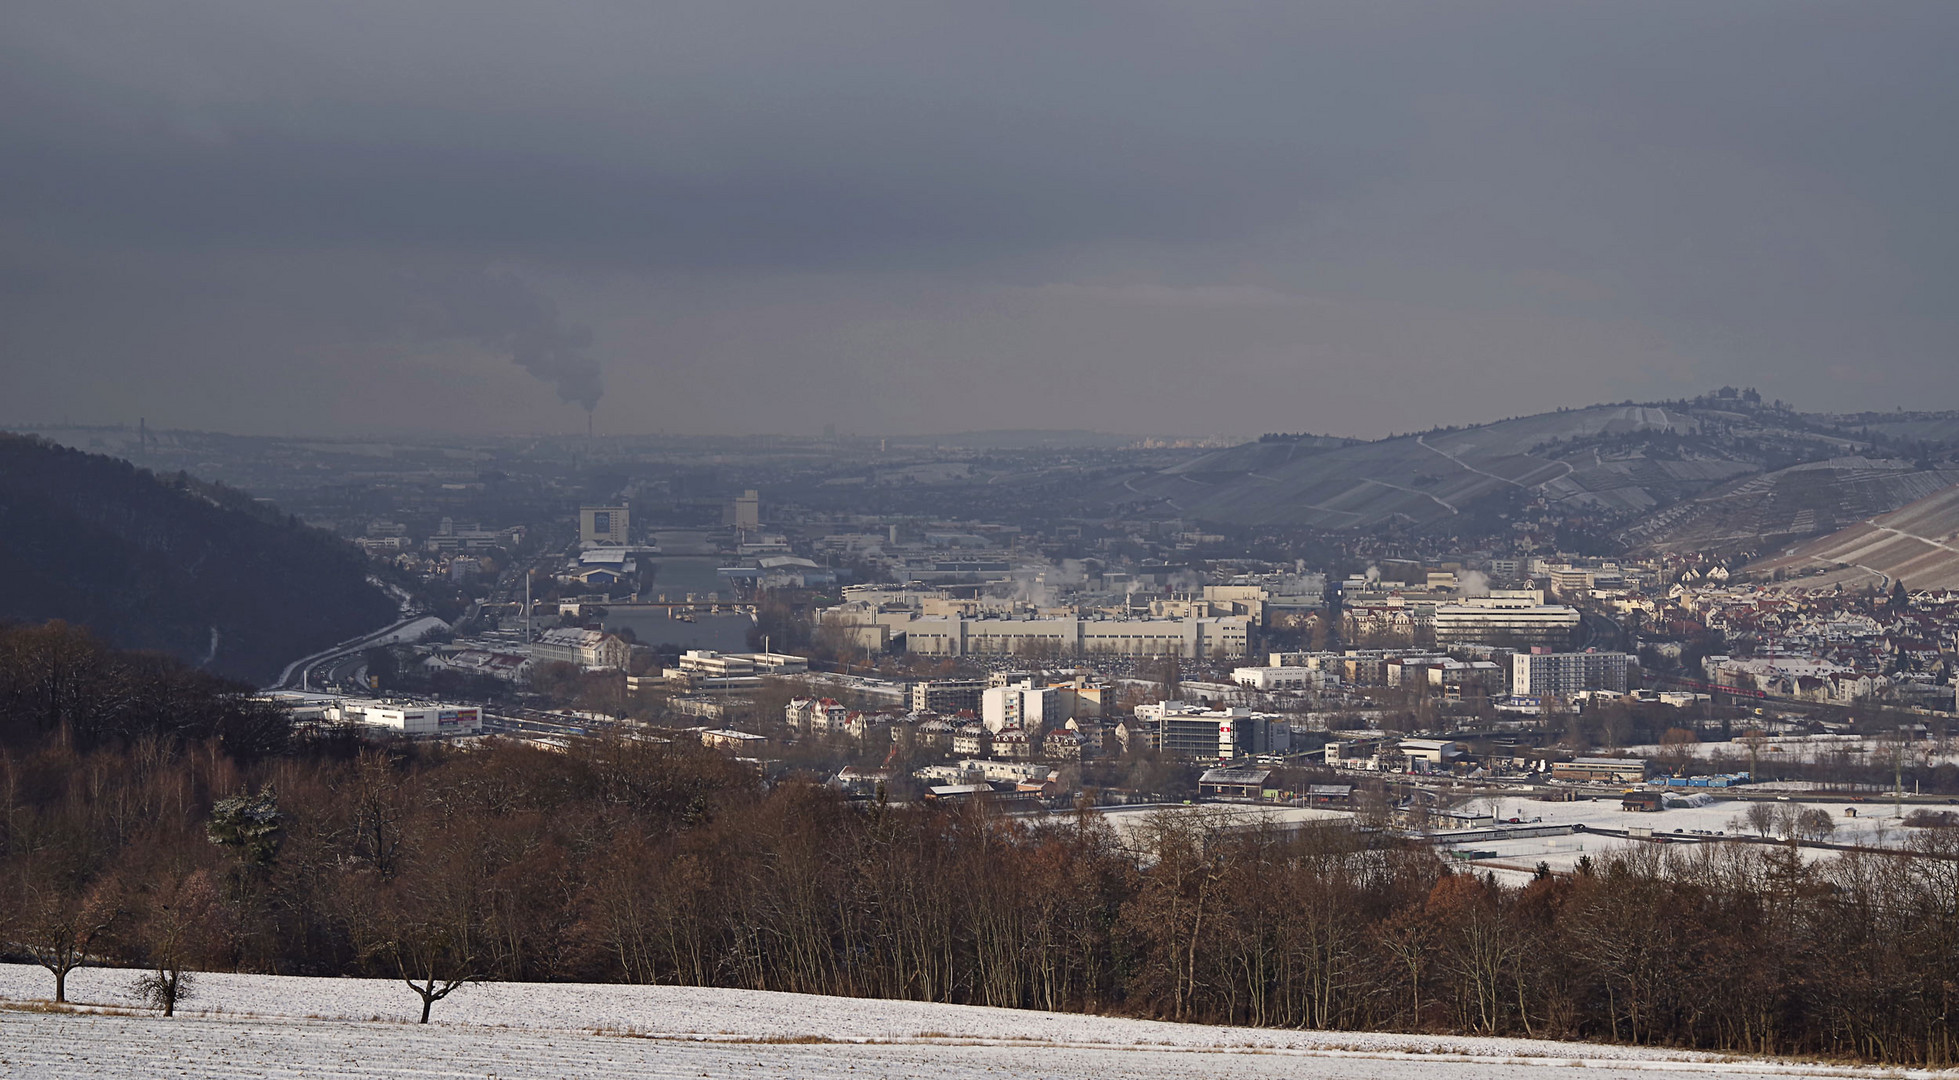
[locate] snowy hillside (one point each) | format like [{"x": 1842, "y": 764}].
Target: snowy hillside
[{"x": 246, "y": 1025}]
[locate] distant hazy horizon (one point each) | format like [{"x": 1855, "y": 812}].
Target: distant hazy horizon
[
  {"x": 749, "y": 217},
  {"x": 1220, "y": 437}
]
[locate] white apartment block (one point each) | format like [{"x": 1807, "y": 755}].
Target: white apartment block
[{"x": 1565, "y": 674}]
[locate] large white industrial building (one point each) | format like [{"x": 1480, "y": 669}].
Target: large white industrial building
[
  {"x": 1283, "y": 678},
  {"x": 589, "y": 649},
  {"x": 1517, "y": 616},
  {"x": 383, "y": 715},
  {"x": 1189, "y": 638}
]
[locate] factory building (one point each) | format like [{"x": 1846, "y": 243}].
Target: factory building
[
  {"x": 383, "y": 716},
  {"x": 1506, "y": 616},
  {"x": 1187, "y": 731},
  {"x": 589, "y": 649},
  {"x": 1188, "y": 638}
]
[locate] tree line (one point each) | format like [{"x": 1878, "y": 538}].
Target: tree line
[
  {"x": 171, "y": 851},
  {"x": 641, "y": 862}
]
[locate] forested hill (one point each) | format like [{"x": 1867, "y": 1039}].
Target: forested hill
[{"x": 173, "y": 564}]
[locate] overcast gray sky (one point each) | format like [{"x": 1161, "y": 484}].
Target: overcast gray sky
[{"x": 1180, "y": 217}]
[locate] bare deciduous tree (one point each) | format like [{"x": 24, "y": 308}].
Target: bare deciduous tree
[
  {"x": 60, "y": 915},
  {"x": 179, "y": 924}
]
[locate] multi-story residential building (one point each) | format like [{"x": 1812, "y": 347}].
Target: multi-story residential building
[
  {"x": 1458, "y": 679},
  {"x": 1033, "y": 708},
  {"x": 815, "y": 715},
  {"x": 1392, "y": 617},
  {"x": 947, "y": 697},
  {"x": 1541, "y": 673}
]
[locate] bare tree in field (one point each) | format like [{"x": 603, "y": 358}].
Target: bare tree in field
[
  {"x": 1815, "y": 824},
  {"x": 59, "y": 916},
  {"x": 178, "y": 926},
  {"x": 426, "y": 925},
  {"x": 433, "y": 959}
]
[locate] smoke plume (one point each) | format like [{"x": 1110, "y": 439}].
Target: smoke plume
[{"x": 502, "y": 311}]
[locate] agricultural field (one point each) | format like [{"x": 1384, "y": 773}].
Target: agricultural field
[{"x": 273, "y": 1026}]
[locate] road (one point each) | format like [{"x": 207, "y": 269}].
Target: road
[
  {"x": 297, "y": 675},
  {"x": 1601, "y": 632},
  {"x": 1872, "y": 522},
  {"x": 1443, "y": 503},
  {"x": 1568, "y": 470},
  {"x": 1423, "y": 443}
]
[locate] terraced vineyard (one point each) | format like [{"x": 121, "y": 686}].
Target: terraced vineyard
[
  {"x": 1762, "y": 511},
  {"x": 1918, "y": 544},
  {"x": 1670, "y": 477}
]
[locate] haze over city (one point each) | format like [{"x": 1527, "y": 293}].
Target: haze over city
[
  {"x": 1267, "y": 538},
  {"x": 900, "y": 218}
]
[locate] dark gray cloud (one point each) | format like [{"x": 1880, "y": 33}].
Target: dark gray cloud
[{"x": 905, "y": 216}]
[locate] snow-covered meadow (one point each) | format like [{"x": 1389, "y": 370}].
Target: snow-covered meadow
[
  {"x": 1872, "y": 823},
  {"x": 254, "y": 1025}
]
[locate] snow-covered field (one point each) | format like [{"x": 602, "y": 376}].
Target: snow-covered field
[
  {"x": 1770, "y": 753},
  {"x": 1876, "y": 824},
  {"x": 254, "y": 1025},
  {"x": 1131, "y": 822}
]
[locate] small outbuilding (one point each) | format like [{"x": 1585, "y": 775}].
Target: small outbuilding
[
  {"x": 1329, "y": 794},
  {"x": 1643, "y": 801},
  {"x": 1235, "y": 783}
]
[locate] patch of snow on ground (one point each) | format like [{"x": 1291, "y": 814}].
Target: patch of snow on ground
[{"x": 288, "y": 1026}]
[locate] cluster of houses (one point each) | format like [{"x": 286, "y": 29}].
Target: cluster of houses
[{"x": 1831, "y": 646}]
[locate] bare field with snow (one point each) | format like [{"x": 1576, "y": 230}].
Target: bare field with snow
[
  {"x": 1876, "y": 823},
  {"x": 254, "y": 1025}
]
